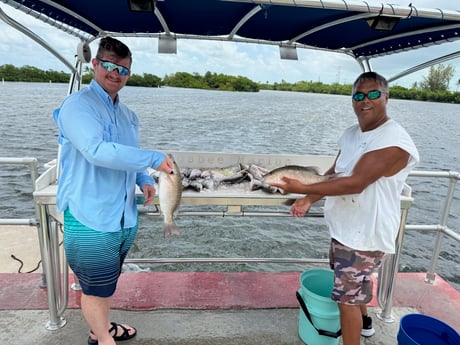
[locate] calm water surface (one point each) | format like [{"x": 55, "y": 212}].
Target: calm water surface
[{"x": 265, "y": 122}]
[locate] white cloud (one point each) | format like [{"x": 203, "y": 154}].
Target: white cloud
[{"x": 258, "y": 63}]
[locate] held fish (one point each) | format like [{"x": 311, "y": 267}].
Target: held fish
[
  {"x": 305, "y": 174},
  {"x": 170, "y": 193}
]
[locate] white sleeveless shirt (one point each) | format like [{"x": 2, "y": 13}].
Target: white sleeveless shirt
[{"x": 369, "y": 220}]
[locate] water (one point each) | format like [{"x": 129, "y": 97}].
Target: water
[{"x": 265, "y": 122}]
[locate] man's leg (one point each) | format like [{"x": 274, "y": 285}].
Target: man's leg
[
  {"x": 363, "y": 308},
  {"x": 98, "y": 256},
  {"x": 96, "y": 312},
  {"x": 367, "y": 329},
  {"x": 351, "y": 323},
  {"x": 352, "y": 286}
]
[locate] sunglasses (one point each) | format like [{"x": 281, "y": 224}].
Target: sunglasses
[
  {"x": 371, "y": 95},
  {"x": 110, "y": 67}
]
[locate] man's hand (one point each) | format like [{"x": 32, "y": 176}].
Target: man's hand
[
  {"x": 300, "y": 207},
  {"x": 149, "y": 193},
  {"x": 290, "y": 185},
  {"x": 166, "y": 166}
]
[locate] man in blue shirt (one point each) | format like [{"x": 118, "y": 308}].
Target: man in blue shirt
[{"x": 101, "y": 166}]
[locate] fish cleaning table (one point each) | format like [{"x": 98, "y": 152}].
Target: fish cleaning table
[{"x": 233, "y": 198}]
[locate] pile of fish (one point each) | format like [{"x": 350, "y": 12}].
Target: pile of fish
[
  {"x": 259, "y": 178},
  {"x": 211, "y": 179}
]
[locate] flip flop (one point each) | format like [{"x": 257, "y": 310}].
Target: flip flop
[
  {"x": 124, "y": 335},
  {"x": 91, "y": 341}
]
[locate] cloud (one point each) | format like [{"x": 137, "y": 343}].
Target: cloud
[{"x": 258, "y": 63}]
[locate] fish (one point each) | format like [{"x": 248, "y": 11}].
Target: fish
[
  {"x": 170, "y": 193},
  {"x": 256, "y": 171},
  {"x": 238, "y": 177},
  {"x": 195, "y": 173},
  {"x": 305, "y": 174}
]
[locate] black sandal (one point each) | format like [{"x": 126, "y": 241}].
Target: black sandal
[
  {"x": 124, "y": 336},
  {"x": 91, "y": 341}
]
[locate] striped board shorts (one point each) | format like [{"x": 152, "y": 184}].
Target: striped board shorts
[
  {"x": 353, "y": 271},
  {"x": 96, "y": 257}
]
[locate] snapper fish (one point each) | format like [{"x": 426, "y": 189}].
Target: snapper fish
[
  {"x": 305, "y": 174},
  {"x": 170, "y": 193}
]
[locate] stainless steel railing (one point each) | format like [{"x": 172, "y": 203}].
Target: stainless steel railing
[
  {"x": 31, "y": 164},
  {"x": 56, "y": 269},
  {"x": 441, "y": 229},
  {"x": 386, "y": 288},
  {"x": 55, "y": 265}
]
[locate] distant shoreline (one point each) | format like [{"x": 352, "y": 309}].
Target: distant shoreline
[{"x": 213, "y": 81}]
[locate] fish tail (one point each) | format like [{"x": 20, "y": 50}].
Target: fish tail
[{"x": 170, "y": 229}]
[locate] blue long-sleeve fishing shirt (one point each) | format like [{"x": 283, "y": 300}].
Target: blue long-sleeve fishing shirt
[{"x": 101, "y": 161}]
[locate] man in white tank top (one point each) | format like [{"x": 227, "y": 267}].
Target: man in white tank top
[{"x": 362, "y": 206}]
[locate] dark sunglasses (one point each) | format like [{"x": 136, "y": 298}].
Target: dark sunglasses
[
  {"x": 110, "y": 66},
  {"x": 371, "y": 95}
]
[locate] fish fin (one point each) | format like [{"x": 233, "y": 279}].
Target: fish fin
[
  {"x": 314, "y": 169},
  {"x": 170, "y": 229},
  {"x": 243, "y": 166},
  {"x": 334, "y": 175},
  {"x": 289, "y": 202},
  {"x": 255, "y": 185}
]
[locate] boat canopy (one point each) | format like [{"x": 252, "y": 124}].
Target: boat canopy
[{"x": 356, "y": 28}]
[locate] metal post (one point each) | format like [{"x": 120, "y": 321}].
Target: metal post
[
  {"x": 430, "y": 275},
  {"x": 33, "y": 165},
  {"x": 387, "y": 275},
  {"x": 389, "y": 268},
  {"x": 56, "y": 320}
]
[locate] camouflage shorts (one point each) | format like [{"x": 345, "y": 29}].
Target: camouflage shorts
[{"x": 352, "y": 273}]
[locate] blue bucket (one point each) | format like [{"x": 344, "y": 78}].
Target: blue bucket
[
  {"x": 319, "y": 316},
  {"x": 418, "y": 329}
]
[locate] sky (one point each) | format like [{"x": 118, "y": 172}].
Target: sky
[{"x": 260, "y": 64}]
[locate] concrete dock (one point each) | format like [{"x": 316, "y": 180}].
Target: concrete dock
[
  {"x": 191, "y": 327},
  {"x": 193, "y": 307}
]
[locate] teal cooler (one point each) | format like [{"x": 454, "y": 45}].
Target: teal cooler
[{"x": 319, "y": 316}]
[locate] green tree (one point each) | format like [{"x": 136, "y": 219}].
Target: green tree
[
  {"x": 438, "y": 78},
  {"x": 9, "y": 72},
  {"x": 152, "y": 80},
  {"x": 212, "y": 81},
  {"x": 87, "y": 74}
]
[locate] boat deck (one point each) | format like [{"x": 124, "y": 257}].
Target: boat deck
[
  {"x": 207, "y": 308},
  {"x": 193, "y": 307}
]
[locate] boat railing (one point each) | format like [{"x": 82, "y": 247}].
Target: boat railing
[
  {"x": 441, "y": 229},
  {"x": 31, "y": 165},
  {"x": 56, "y": 269}
]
